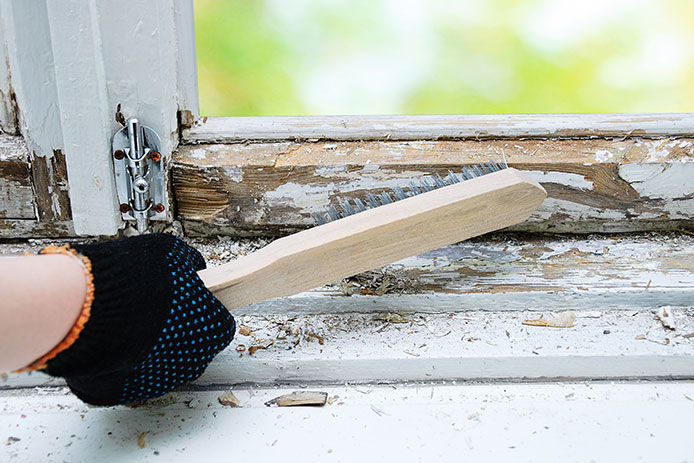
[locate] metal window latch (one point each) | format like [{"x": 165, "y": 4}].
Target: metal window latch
[{"x": 139, "y": 170}]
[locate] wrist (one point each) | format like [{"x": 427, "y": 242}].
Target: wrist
[{"x": 69, "y": 308}]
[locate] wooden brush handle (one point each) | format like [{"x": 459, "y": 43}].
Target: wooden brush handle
[{"x": 376, "y": 237}]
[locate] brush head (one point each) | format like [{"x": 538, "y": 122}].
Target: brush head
[{"x": 349, "y": 207}]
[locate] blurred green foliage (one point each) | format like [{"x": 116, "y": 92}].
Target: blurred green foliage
[{"x": 275, "y": 57}]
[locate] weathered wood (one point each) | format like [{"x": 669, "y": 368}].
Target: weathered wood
[
  {"x": 593, "y": 185},
  {"x": 236, "y": 129},
  {"x": 9, "y": 118},
  {"x": 516, "y": 272},
  {"x": 376, "y": 237},
  {"x": 51, "y": 187},
  {"x": 16, "y": 195},
  {"x": 24, "y": 228}
]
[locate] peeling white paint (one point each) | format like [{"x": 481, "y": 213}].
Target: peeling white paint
[
  {"x": 200, "y": 153},
  {"x": 308, "y": 198},
  {"x": 603, "y": 155},
  {"x": 574, "y": 211},
  {"x": 233, "y": 173},
  {"x": 563, "y": 178},
  {"x": 661, "y": 181},
  {"x": 229, "y": 129},
  {"x": 330, "y": 171},
  {"x": 659, "y": 151},
  {"x": 12, "y": 147}
]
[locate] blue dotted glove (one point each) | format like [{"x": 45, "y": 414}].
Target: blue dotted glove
[{"x": 152, "y": 326}]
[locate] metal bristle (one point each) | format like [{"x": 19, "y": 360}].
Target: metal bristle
[
  {"x": 333, "y": 213},
  {"x": 349, "y": 207},
  {"x": 360, "y": 205},
  {"x": 319, "y": 218},
  {"x": 399, "y": 193},
  {"x": 452, "y": 178}
]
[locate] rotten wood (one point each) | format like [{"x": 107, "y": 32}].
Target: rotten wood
[
  {"x": 593, "y": 185},
  {"x": 16, "y": 194},
  {"x": 240, "y": 129},
  {"x": 24, "y": 228},
  {"x": 51, "y": 187},
  {"x": 375, "y": 237},
  {"x": 515, "y": 272}
]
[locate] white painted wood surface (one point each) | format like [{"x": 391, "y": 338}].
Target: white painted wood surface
[
  {"x": 73, "y": 64},
  {"x": 7, "y": 105},
  {"x": 570, "y": 422},
  {"x": 236, "y": 129}
]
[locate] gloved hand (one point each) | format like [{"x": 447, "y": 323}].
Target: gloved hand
[{"x": 152, "y": 324}]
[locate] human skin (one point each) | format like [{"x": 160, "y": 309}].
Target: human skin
[{"x": 41, "y": 298}]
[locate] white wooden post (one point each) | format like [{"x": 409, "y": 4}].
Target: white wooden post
[
  {"x": 73, "y": 65},
  {"x": 8, "y": 116}
]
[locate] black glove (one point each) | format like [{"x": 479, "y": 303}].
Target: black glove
[{"x": 152, "y": 324}]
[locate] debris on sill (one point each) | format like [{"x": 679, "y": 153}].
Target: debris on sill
[
  {"x": 391, "y": 317},
  {"x": 141, "y": 439},
  {"x": 244, "y": 330},
  {"x": 262, "y": 344},
  {"x": 11, "y": 440},
  {"x": 559, "y": 320},
  {"x": 300, "y": 398},
  {"x": 674, "y": 325},
  {"x": 666, "y": 317},
  {"x": 228, "y": 399}
]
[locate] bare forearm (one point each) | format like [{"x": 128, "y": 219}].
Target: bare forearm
[{"x": 40, "y": 300}]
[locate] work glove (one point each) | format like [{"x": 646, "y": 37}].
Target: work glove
[{"x": 148, "y": 325}]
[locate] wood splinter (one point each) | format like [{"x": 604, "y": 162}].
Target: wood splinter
[{"x": 299, "y": 398}]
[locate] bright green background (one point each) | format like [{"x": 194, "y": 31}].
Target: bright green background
[{"x": 301, "y": 57}]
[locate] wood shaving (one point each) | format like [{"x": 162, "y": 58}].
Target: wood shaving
[
  {"x": 264, "y": 344},
  {"x": 245, "y": 330},
  {"x": 667, "y": 318},
  {"x": 228, "y": 399},
  {"x": 391, "y": 318},
  {"x": 141, "y": 439},
  {"x": 300, "y": 398},
  {"x": 560, "y": 320}
]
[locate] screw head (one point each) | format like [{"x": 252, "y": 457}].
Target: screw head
[
  {"x": 124, "y": 208},
  {"x": 155, "y": 156},
  {"x": 158, "y": 208},
  {"x": 119, "y": 154}
]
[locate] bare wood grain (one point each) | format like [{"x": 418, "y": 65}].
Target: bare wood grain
[
  {"x": 376, "y": 237},
  {"x": 434, "y": 127},
  {"x": 593, "y": 185}
]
